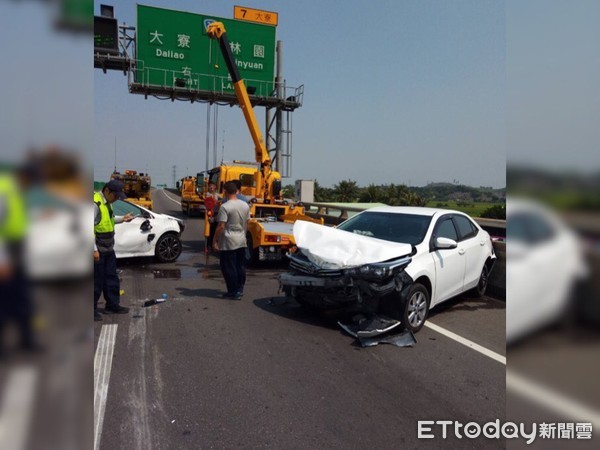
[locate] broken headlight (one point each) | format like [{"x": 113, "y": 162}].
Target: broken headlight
[
  {"x": 378, "y": 271},
  {"x": 370, "y": 271}
]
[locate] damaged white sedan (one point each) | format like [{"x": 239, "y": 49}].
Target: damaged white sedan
[{"x": 400, "y": 261}]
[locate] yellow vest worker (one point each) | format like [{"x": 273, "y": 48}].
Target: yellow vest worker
[
  {"x": 13, "y": 218},
  {"x": 15, "y": 300},
  {"x": 106, "y": 280}
]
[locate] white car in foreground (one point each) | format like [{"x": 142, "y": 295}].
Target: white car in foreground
[
  {"x": 148, "y": 234},
  {"x": 60, "y": 236},
  {"x": 546, "y": 264},
  {"x": 398, "y": 260}
]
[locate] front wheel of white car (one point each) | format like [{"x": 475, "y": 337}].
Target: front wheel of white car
[
  {"x": 482, "y": 283},
  {"x": 415, "y": 308},
  {"x": 168, "y": 247}
]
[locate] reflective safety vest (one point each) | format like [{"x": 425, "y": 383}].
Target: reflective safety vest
[
  {"x": 105, "y": 230},
  {"x": 13, "y": 218}
]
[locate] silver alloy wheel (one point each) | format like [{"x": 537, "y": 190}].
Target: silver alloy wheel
[
  {"x": 169, "y": 248},
  {"x": 417, "y": 308}
]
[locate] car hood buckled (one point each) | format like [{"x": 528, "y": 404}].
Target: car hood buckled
[{"x": 332, "y": 249}]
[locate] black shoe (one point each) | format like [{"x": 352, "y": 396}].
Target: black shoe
[
  {"x": 227, "y": 295},
  {"x": 116, "y": 310},
  {"x": 97, "y": 316}
]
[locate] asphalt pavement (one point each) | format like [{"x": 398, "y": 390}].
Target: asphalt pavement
[{"x": 200, "y": 371}]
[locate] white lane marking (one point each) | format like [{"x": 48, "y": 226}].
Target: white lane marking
[
  {"x": 102, "y": 368},
  {"x": 15, "y": 411},
  {"x": 472, "y": 345},
  {"x": 170, "y": 198},
  {"x": 555, "y": 401}
]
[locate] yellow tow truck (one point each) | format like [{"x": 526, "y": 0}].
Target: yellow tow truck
[
  {"x": 191, "y": 201},
  {"x": 270, "y": 228},
  {"x": 137, "y": 187}
]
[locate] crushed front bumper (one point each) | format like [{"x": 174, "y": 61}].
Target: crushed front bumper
[{"x": 347, "y": 293}]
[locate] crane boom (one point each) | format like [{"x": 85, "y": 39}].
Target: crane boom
[{"x": 216, "y": 30}]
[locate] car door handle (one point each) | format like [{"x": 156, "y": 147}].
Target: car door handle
[
  {"x": 461, "y": 251},
  {"x": 482, "y": 243}
]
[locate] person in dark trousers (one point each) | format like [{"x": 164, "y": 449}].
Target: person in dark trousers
[
  {"x": 106, "y": 280},
  {"x": 230, "y": 241},
  {"x": 211, "y": 202},
  {"x": 16, "y": 303}
]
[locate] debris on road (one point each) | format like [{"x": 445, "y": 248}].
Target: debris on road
[
  {"x": 374, "y": 330},
  {"x": 153, "y": 302},
  {"x": 404, "y": 339},
  {"x": 363, "y": 326}
]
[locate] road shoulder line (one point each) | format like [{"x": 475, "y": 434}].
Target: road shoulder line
[
  {"x": 17, "y": 406},
  {"x": 547, "y": 398},
  {"x": 170, "y": 198},
  {"x": 472, "y": 345}
]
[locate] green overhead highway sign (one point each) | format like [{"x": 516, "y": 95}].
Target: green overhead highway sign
[{"x": 173, "y": 51}]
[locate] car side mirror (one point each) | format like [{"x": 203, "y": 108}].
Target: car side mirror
[
  {"x": 442, "y": 243},
  {"x": 145, "y": 226}
]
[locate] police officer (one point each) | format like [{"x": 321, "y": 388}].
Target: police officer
[
  {"x": 106, "y": 280},
  {"x": 15, "y": 299}
]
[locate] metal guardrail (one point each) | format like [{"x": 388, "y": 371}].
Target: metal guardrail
[{"x": 341, "y": 212}]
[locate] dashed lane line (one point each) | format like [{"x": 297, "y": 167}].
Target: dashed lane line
[{"x": 102, "y": 367}]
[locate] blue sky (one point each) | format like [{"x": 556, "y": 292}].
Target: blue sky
[
  {"x": 395, "y": 92},
  {"x": 553, "y": 89}
]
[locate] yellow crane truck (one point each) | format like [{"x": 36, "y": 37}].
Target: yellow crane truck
[
  {"x": 270, "y": 228},
  {"x": 137, "y": 187}
]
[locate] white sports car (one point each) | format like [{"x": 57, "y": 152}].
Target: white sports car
[{"x": 398, "y": 260}]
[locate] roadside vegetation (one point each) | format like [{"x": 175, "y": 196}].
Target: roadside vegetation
[
  {"x": 478, "y": 202},
  {"x": 563, "y": 190}
]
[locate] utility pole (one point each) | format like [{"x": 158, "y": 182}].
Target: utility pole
[
  {"x": 278, "y": 123},
  {"x": 174, "y": 176}
]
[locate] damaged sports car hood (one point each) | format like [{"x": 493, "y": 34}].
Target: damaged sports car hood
[{"x": 330, "y": 248}]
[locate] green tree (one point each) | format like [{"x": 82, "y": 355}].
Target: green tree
[
  {"x": 495, "y": 212},
  {"x": 323, "y": 194},
  {"x": 346, "y": 191},
  {"x": 288, "y": 191},
  {"x": 401, "y": 195},
  {"x": 372, "y": 194}
]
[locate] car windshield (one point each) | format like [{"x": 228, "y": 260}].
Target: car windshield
[
  {"x": 404, "y": 228},
  {"x": 121, "y": 208}
]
